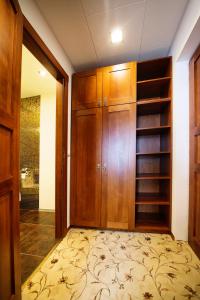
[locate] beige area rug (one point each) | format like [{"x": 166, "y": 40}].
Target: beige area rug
[{"x": 94, "y": 265}]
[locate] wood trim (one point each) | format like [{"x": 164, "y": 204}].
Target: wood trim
[
  {"x": 37, "y": 47},
  {"x": 61, "y": 160},
  {"x": 16, "y": 108},
  {"x": 15, "y": 5},
  {"x": 192, "y": 167},
  {"x": 67, "y": 229},
  {"x": 191, "y": 149}
]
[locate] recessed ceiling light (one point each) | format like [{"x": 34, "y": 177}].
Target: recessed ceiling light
[
  {"x": 42, "y": 73},
  {"x": 116, "y": 36}
]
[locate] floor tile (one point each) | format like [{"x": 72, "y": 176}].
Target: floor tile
[{"x": 37, "y": 238}]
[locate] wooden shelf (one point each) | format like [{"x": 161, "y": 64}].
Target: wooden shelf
[
  {"x": 154, "y": 100},
  {"x": 151, "y": 202},
  {"x": 151, "y": 69},
  {"x": 148, "y": 221},
  {"x": 152, "y": 130},
  {"x": 155, "y": 106},
  {"x": 152, "y": 198},
  {"x": 153, "y": 153},
  {"x": 153, "y": 81},
  {"x": 147, "y": 227},
  {"x": 154, "y": 88},
  {"x": 143, "y": 101},
  {"x": 153, "y": 146},
  {"x": 151, "y": 176}
]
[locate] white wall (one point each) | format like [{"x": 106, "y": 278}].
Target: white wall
[
  {"x": 185, "y": 43},
  {"x": 47, "y": 151},
  {"x": 180, "y": 171},
  {"x": 32, "y": 13},
  {"x": 187, "y": 25}
]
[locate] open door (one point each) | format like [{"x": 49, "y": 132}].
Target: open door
[{"x": 10, "y": 64}]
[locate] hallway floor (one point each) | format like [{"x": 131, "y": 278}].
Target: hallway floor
[
  {"x": 94, "y": 265},
  {"x": 37, "y": 237}
]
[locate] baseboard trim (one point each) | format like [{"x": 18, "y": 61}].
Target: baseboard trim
[
  {"x": 67, "y": 229},
  {"x": 173, "y": 237}
]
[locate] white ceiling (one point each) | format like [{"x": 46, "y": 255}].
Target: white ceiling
[
  {"x": 83, "y": 28},
  {"x": 32, "y": 84}
]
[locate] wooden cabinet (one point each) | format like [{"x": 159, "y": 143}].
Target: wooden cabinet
[
  {"x": 119, "y": 84},
  {"x": 104, "y": 86},
  {"x": 103, "y": 147},
  {"x": 87, "y": 90},
  {"x": 103, "y": 183},
  {"x": 86, "y": 170},
  {"x": 122, "y": 158},
  {"x": 118, "y": 166}
]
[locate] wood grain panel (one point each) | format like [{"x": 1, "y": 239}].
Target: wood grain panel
[
  {"x": 119, "y": 84},
  {"x": 118, "y": 165},
  {"x": 87, "y": 89},
  {"x": 194, "y": 207},
  {"x": 10, "y": 69},
  {"x": 196, "y": 231},
  {"x": 6, "y": 155},
  {"x": 7, "y": 20},
  {"x": 6, "y": 268},
  {"x": 86, "y": 170}
]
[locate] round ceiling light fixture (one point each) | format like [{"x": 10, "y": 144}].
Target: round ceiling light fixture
[
  {"x": 42, "y": 73},
  {"x": 116, "y": 36}
]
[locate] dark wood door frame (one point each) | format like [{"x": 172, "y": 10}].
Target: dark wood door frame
[
  {"x": 37, "y": 47},
  {"x": 194, "y": 204}
]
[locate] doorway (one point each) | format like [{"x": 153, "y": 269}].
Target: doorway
[
  {"x": 39, "y": 50},
  {"x": 43, "y": 191},
  {"x": 15, "y": 31},
  {"x": 37, "y": 162}
]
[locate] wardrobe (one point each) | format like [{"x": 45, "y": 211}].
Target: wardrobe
[{"x": 121, "y": 147}]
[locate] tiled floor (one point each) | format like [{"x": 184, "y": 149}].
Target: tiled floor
[{"x": 37, "y": 237}]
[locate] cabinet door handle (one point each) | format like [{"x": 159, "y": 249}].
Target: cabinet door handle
[
  {"x": 104, "y": 167},
  {"x": 105, "y": 101},
  {"x": 98, "y": 166}
]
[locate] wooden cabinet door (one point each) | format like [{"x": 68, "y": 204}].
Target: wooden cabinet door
[
  {"x": 118, "y": 166},
  {"x": 194, "y": 208},
  {"x": 119, "y": 84},
  {"x": 86, "y": 167},
  {"x": 87, "y": 90},
  {"x": 10, "y": 66}
]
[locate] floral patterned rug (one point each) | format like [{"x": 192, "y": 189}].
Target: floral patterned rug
[{"x": 93, "y": 265}]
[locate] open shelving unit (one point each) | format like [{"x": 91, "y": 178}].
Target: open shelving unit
[{"x": 153, "y": 146}]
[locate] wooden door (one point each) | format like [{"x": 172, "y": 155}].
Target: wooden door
[
  {"x": 194, "y": 208},
  {"x": 10, "y": 64},
  {"x": 119, "y": 84},
  {"x": 87, "y": 90},
  {"x": 86, "y": 167},
  {"x": 118, "y": 166}
]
